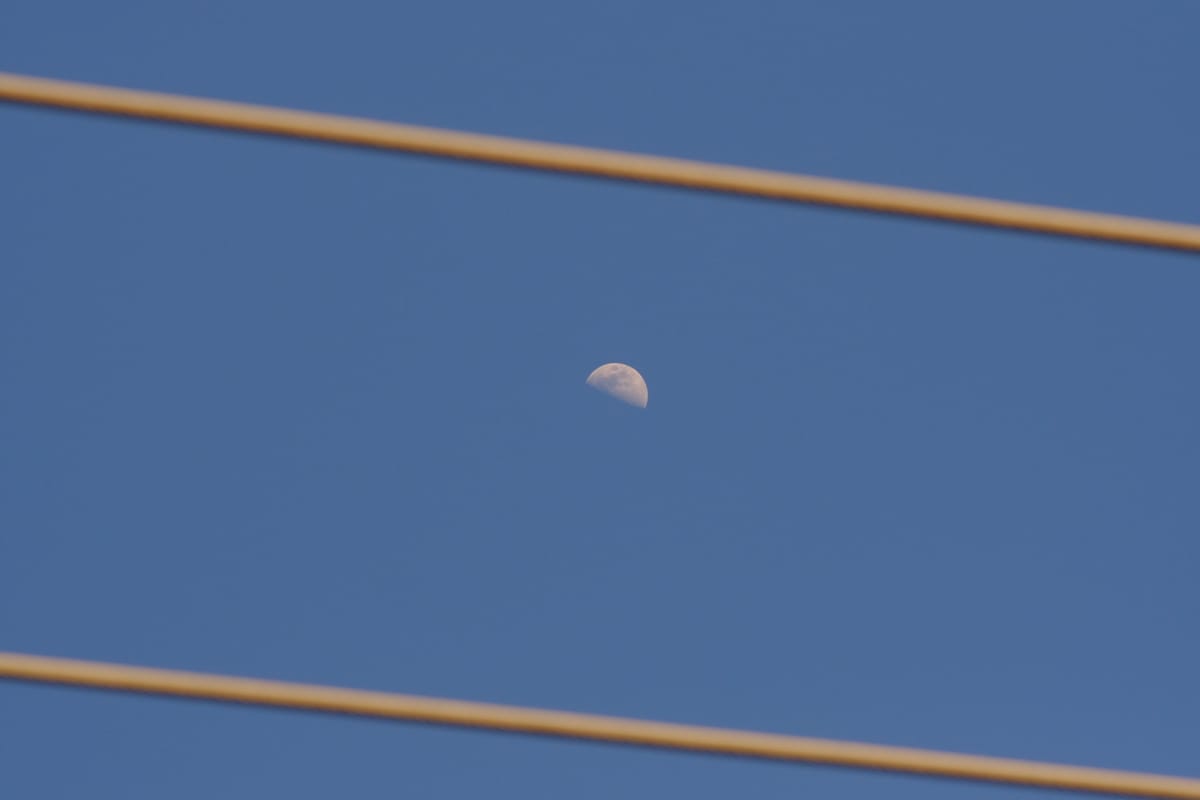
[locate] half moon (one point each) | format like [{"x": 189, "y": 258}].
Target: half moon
[{"x": 622, "y": 382}]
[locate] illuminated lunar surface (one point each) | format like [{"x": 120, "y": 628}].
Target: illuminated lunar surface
[{"x": 622, "y": 382}]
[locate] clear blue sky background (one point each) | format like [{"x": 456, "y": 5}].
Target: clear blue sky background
[{"x": 283, "y": 410}]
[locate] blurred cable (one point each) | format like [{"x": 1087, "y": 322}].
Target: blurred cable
[
  {"x": 597, "y": 163},
  {"x": 617, "y": 730}
]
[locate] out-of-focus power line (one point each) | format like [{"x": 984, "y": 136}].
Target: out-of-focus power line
[
  {"x": 597, "y": 163},
  {"x": 617, "y": 730}
]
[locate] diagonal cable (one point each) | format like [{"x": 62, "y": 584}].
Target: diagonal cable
[
  {"x": 595, "y": 162},
  {"x": 592, "y": 727}
]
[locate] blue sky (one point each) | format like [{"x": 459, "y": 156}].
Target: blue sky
[{"x": 275, "y": 409}]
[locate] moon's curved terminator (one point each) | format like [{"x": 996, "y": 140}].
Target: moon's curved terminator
[{"x": 622, "y": 382}]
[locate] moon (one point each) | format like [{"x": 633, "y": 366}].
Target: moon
[{"x": 622, "y": 382}]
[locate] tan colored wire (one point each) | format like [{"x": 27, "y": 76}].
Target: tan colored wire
[
  {"x": 598, "y": 163},
  {"x": 618, "y": 730}
]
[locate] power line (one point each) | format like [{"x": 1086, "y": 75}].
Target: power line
[
  {"x": 597, "y": 163},
  {"x": 563, "y": 724}
]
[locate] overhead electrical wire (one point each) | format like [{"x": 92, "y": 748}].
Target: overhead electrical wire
[
  {"x": 594, "y": 162},
  {"x": 616, "y": 730}
]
